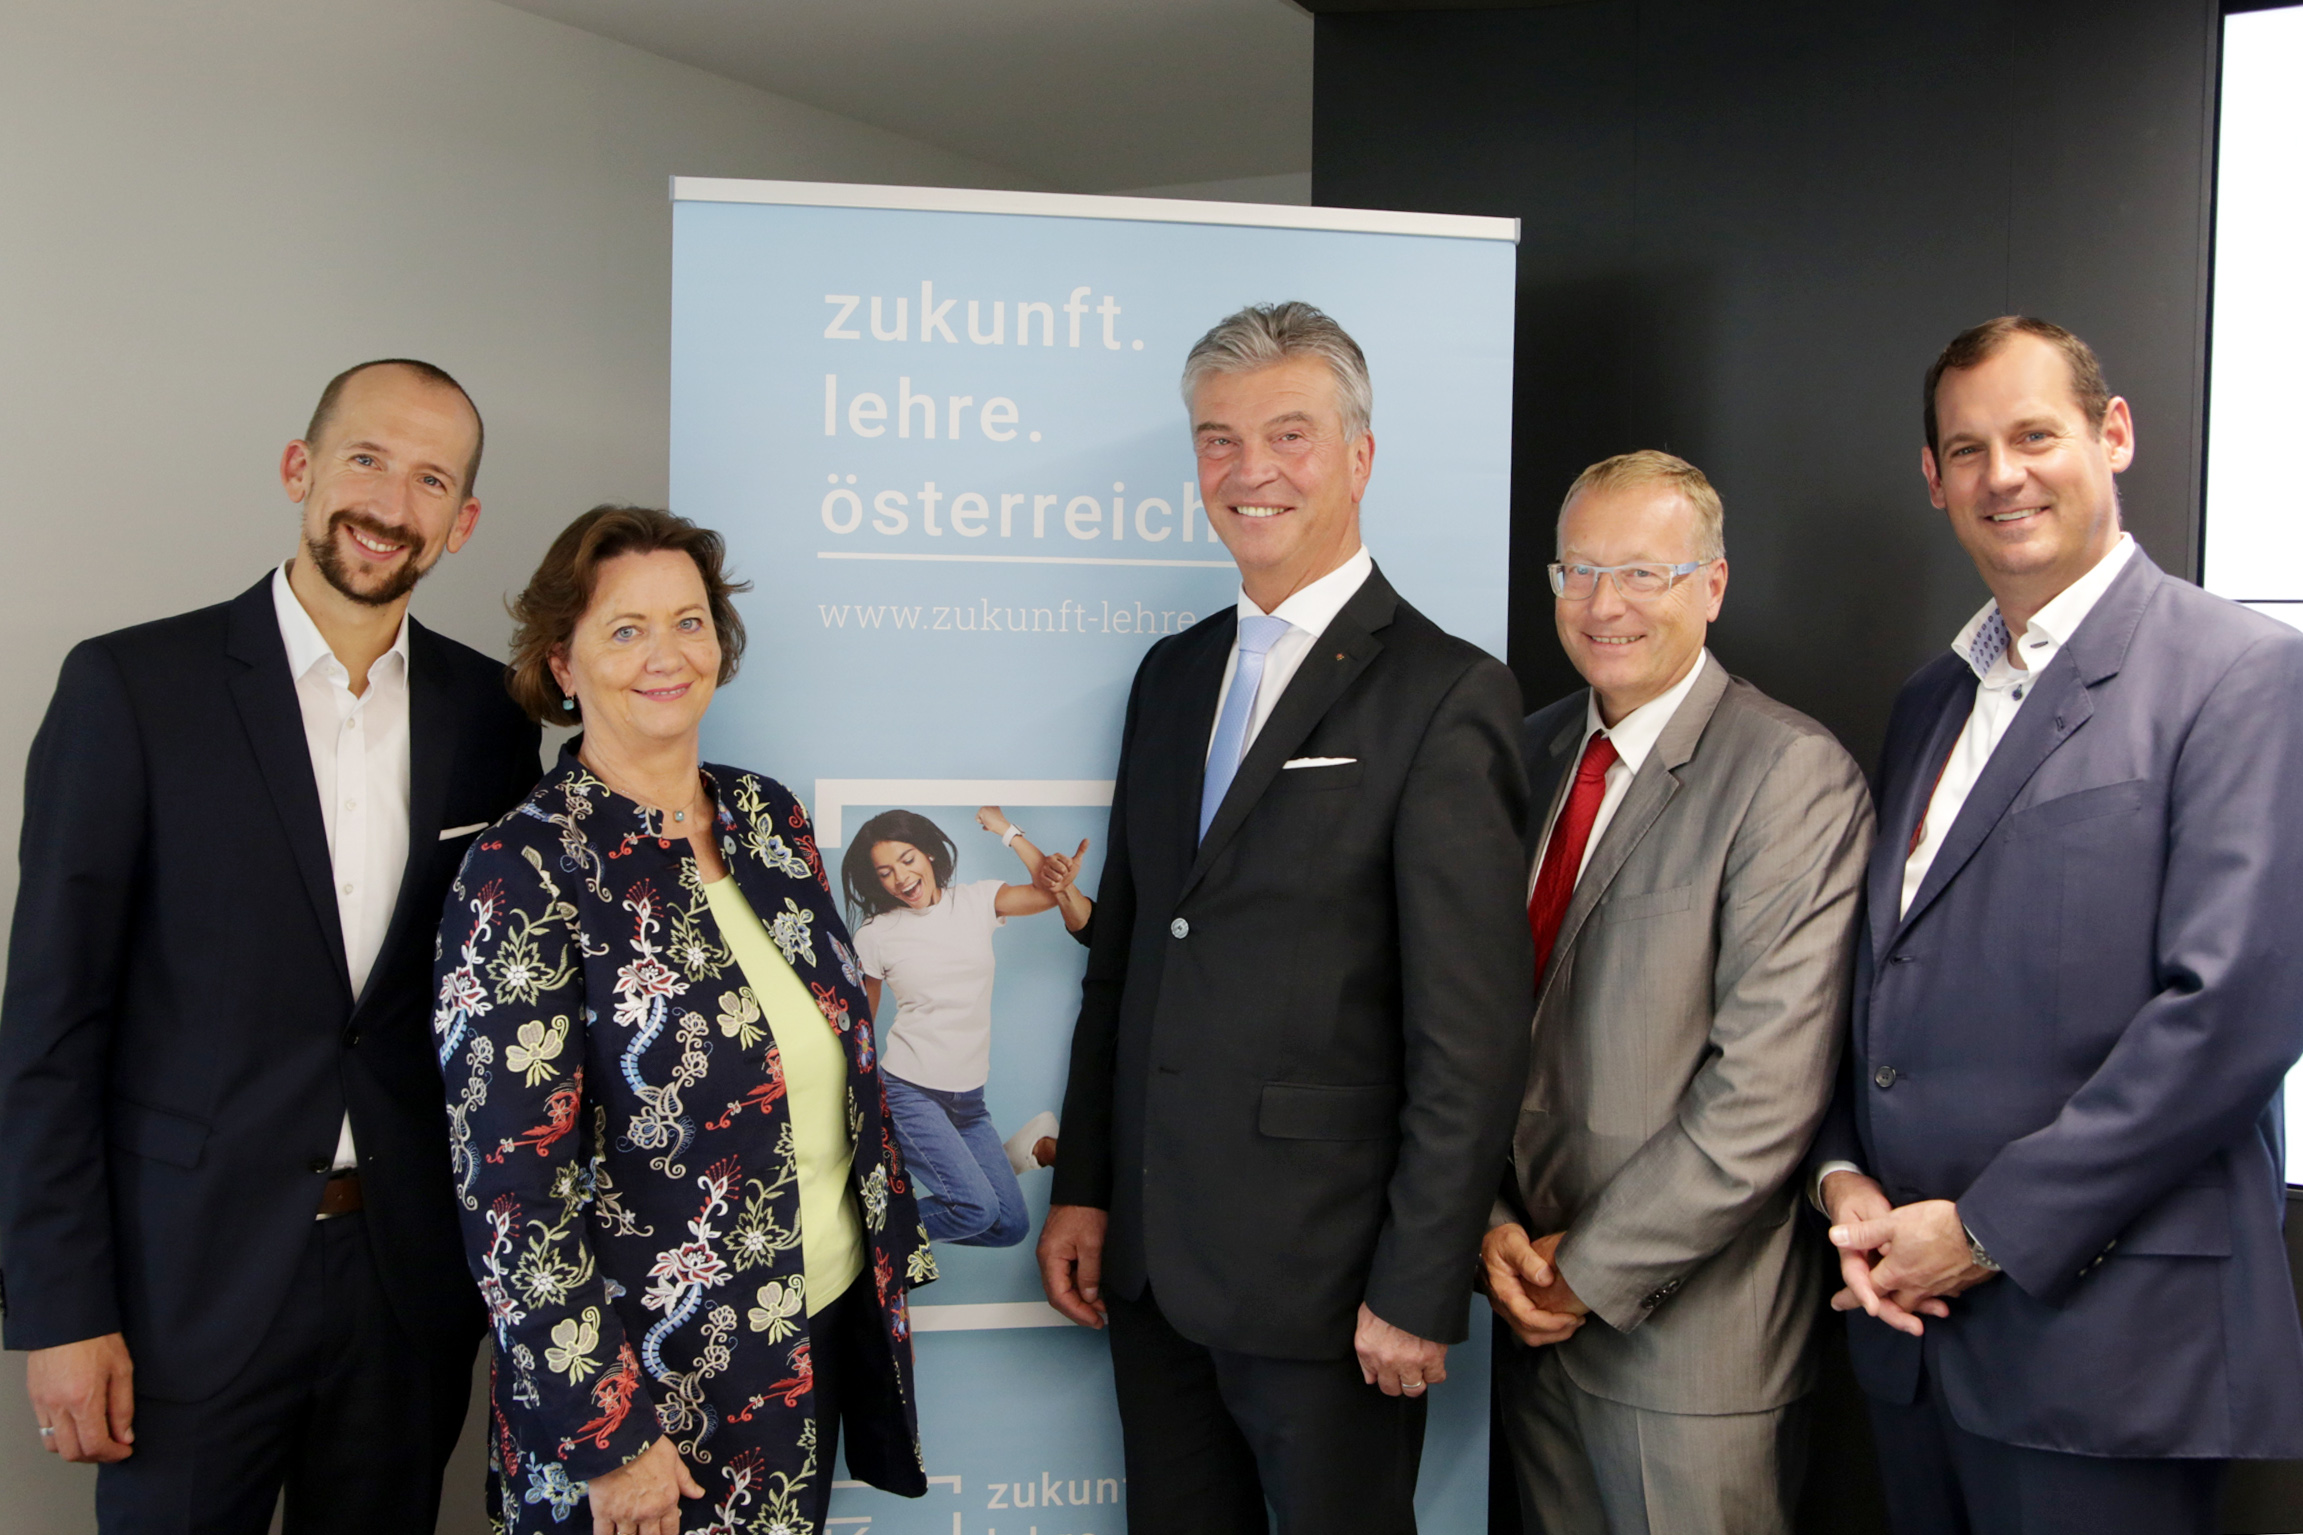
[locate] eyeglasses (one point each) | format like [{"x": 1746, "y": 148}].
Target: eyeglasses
[{"x": 1578, "y": 583}]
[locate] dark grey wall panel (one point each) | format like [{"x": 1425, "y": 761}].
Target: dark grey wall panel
[{"x": 1747, "y": 229}]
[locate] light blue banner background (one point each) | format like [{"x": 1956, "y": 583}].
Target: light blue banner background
[{"x": 899, "y": 632}]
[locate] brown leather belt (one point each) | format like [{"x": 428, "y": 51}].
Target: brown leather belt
[{"x": 340, "y": 1195}]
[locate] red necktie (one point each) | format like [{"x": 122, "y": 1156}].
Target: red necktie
[{"x": 1563, "y": 859}]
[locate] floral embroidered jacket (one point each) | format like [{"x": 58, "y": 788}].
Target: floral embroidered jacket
[{"x": 623, "y": 1157}]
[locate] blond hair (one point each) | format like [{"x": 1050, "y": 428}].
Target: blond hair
[{"x": 1650, "y": 467}]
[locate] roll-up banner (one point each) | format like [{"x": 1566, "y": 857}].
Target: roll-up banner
[{"x": 942, "y": 435}]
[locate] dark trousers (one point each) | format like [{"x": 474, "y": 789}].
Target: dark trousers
[
  {"x": 1212, "y": 1436},
  {"x": 837, "y": 1335},
  {"x": 1941, "y": 1480},
  {"x": 337, "y": 1406}
]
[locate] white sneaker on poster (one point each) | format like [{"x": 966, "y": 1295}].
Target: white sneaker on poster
[{"x": 1019, "y": 1145}]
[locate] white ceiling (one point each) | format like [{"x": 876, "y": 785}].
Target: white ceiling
[{"x": 1081, "y": 95}]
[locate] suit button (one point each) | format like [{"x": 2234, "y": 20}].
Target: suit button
[
  {"x": 1179, "y": 928},
  {"x": 319, "y": 1164},
  {"x": 1884, "y": 1077},
  {"x": 351, "y": 1038}
]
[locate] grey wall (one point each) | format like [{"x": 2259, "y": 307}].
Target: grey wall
[
  {"x": 1749, "y": 228},
  {"x": 207, "y": 210}
]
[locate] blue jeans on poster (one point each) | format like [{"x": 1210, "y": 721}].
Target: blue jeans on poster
[{"x": 975, "y": 1200}]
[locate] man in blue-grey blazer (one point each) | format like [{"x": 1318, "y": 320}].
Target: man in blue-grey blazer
[{"x": 2054, "y": 1166}]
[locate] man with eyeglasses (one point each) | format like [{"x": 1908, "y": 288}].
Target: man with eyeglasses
[{"x": 1693, "y": 898}]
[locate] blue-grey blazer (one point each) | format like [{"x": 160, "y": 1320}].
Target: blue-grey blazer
[{"x": 2079, "y": 1030}]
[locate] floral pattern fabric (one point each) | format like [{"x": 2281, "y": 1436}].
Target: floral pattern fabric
[{"x": 623, "y": 1156}]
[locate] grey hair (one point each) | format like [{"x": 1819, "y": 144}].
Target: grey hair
[{"x": 1264, "y": 334}]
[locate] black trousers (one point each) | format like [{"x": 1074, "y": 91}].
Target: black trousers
[
  {"x": 1941, "y": 1480},
  {"x": 337, "y": 1406},
  {"x": 1212, "y": 1436},
  {"x": 837, "y": 1335}
]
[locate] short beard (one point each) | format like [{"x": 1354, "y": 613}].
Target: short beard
[{"x": 330, "y": 564}]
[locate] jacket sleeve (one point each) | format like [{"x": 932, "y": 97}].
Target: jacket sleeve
[
  {"x": 509, "y": 1024},
  {"x": 1837, "y": 1139},
  {"x": 1083, "y": 1173},
  {"x": 81, "y": 844},
  {"x": 2202, "y": 1058},
  {"x": 1467, "y": 986},
  {"x": 1789, "y": 899}
]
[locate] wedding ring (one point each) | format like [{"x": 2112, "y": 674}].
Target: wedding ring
[{"x": 47, "y": 1432}]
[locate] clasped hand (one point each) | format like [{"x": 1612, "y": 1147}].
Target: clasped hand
[
  {"x": 1058, "y": 871},
  {"x": 1899, "y": 1263},
  {"x": 1524, "y": 1285}
]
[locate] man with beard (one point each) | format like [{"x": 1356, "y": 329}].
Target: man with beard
[{"x": 226, "y": 1228}]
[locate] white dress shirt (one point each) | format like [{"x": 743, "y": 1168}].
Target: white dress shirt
[
  {"x": 359, "y": 749},
  {"x": 1307, "y": 613},
  {"x": 2000, "y": 692},
  {"x": 1634, "y": 736}
]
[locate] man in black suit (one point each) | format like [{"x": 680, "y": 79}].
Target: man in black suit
[
  {"x": 225, "y": 1220},
  {"x": 1304, "y": 1026}
]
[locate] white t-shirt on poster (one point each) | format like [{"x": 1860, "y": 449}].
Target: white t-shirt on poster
[{"x": 938, "y": 962}]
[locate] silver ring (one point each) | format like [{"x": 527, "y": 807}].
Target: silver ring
[
  {"x": 47, "y": 1432},
  {"x": 1412, "y": 1386}
]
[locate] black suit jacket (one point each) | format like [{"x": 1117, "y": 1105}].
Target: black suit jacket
[
  {"x": 1302, "y": 1040},
  {"x": 178, "y": 1038}
]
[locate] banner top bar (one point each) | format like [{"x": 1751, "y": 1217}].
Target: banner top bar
[{"x": 1069, "y": 205}]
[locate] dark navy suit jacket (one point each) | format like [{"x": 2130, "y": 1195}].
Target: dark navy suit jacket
[
  {"x": 179, "y": 1041},
  {"x": 2079, "y": 1030}
]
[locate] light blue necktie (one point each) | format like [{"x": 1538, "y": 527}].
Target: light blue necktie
[{"x": 1256, "y": 638}]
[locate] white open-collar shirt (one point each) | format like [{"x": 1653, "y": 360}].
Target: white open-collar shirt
[
  {"x": 360, "y": 763},
  {"x": 2000, "y": 690}
]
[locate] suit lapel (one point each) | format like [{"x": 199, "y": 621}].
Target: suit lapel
[
  {"x": 1652, "y": 789},
  {"x": 1177, "y": 767},
  {"x": 265, "y": 695},
  {"x": 432, "y": 741},
  {"x": 2060, "y": 703},
  {"x": 1906, "y": 801},
  {"x": 1337, "y": 658},
  {"x": 1547, "y": 784}
]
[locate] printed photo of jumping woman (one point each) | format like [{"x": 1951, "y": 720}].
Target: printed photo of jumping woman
[{"x": 929, "y": 940}]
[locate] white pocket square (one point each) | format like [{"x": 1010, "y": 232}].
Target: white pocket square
[
  {"x": 1296, "y": 762},
  {"x": 459, "y": 831}
]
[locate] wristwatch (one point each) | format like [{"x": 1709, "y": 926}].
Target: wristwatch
[{"x": 1975, "y": 1253}]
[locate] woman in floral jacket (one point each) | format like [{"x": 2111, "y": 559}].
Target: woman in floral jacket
[{"x": 680, "y": 1191}]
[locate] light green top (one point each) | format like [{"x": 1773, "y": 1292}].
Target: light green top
[{"x": 815, "y": 1091}]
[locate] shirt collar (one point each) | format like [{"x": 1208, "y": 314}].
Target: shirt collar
[
  {"x": 306, "y": 646},
  {"x": 1315, "y": 607},
  {"x": 1635, "y": 735},
  {"x": 1982, "y": 641}
]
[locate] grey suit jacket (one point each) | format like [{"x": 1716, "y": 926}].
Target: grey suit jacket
[{"x": 1685, "y": 1039}]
